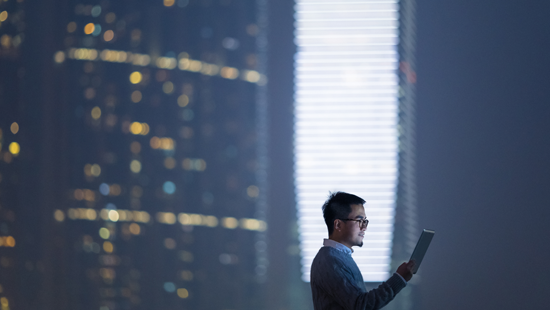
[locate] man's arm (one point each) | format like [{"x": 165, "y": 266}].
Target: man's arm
[{"x": 338, "y": 281}]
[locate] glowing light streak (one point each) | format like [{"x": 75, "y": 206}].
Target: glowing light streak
[
  {"x": 183, "y": 63},
  {"x": 167, "y": 218}
]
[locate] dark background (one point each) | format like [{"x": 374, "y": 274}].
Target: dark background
[{"x": 483, "y": 129}]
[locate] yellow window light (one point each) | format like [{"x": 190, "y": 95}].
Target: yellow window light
[
  {"x": 59, "y": 215},
  {"x": 113, "y": 215},
  {"x": 14, "y": 148},
  {"x": 230, "y": 222},
  {"x": 104, "y": 233},
  {"x": 183, "y": 100},
  {"x": 108, "y": 247},
  {"x": 136, "y": 128},
  {"x": 135, "y": 229},
  {"x": 10, "y": 241},
  {"x": 95, "y": 170},
  {"x": 183, "y": 293},
  {"x": 135, "y": 166},
  {"x": 96, "y": 112},
  {"x": 3, "y": 16},
  {"x": 135, "y": 77},
  {"x": 155, "y": 142},
  {"x": 59, "y": 57},
  {"x": 229, "y": 73}
]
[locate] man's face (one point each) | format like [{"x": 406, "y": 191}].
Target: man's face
[{"x": 352, "y": 232}]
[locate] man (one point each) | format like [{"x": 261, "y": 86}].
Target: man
[{"x": 336, "y": 282}]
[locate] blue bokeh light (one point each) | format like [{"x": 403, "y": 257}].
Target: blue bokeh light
[
  {"x": 169, "y": 187},
  {"x": 170, "y": 287}
]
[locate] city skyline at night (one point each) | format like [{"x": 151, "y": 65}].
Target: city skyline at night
[{"x": 155, "y": 137}]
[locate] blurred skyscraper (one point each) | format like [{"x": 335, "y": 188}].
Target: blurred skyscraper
[
  {"x": 354, "y": 123},
  {"x": 139, "y": 178},
  {"x": 13, "y": 270}
]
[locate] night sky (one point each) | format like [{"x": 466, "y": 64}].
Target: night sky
[{"x": 483, "y": 139}]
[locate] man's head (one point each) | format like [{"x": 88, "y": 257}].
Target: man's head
[{"x": 343, "y": 214}]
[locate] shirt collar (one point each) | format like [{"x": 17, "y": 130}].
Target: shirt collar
[{"x": 337, "y": 245}]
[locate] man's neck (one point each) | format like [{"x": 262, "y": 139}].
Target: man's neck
[{"x": 335, "y": 238}]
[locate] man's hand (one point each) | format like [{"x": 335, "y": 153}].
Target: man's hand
[{"x": 405, "y": 270}]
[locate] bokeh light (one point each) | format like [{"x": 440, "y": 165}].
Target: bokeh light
[
  {"x": 14, "y": 148},
  {"x": 110, "y": 17},
  {"x": 104, "y": 233},
  {"x": 96, "y": 11},
  {"x": 14, "y": 128},
  {"x": 183, "y": 293},
  {"x": 183, "y": 100},
  {"x": 136, "y": 128},
  {"x": 135, "y": 166},
  {"x": 104, "y": 189},
  {"x": 168, "y": 87},
  {"x": 170, "y": 243},
  {"x": 108, "y": 35},
  {"x": 230, "y": 222},
  {"x": 95, "y": 170},
  {"x": 108, "y": 247},
  {"x": 169, "y": 187},
  {"x": 97, "y": 30},
  {"x": 136, "y": 96},
  {"x": 59, "y": 57},
  {"x": 169, "y": 287},
  {"x": 135, "y": 229},
  {"x": 59, "y": 215},
  {"x": 71, "y": 27},
  {"x": 135, "y": 77},
  {"x": 113, "y": 215},
  {"x": 169, "y": 163},
  {"x": 96, "y": 113},
  {"x": 89, "y": 28},
  {"x": 252, "y": 191},
  {"x": 135, "y": 147}
]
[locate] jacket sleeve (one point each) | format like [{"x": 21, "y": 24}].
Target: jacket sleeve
[{"x": 338, "y": 281}]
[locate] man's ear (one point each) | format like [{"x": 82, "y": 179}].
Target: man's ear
[{"x": 337, "y": 225}]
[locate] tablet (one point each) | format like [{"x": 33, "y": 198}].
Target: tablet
[{"x": 421, "y": 248}]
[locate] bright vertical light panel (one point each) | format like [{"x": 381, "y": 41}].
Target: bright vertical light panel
[{"x": 346, "y": 121}]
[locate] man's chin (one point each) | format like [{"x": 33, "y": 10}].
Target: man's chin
[{"x": 360, "y": 244}]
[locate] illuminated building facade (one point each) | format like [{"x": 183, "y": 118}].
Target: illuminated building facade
[
  {"x": 151, "y": 149},
  {"x": 354, "y": 124},
  {"x": 165, "y": 209}
]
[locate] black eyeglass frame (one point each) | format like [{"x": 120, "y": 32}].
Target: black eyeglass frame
[{"x": 362, "y": 222}]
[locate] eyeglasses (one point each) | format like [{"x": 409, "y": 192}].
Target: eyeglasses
[{"x": 362, "y": 222}]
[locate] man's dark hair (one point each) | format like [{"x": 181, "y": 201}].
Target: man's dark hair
[{"x": 338, "y": 206}]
